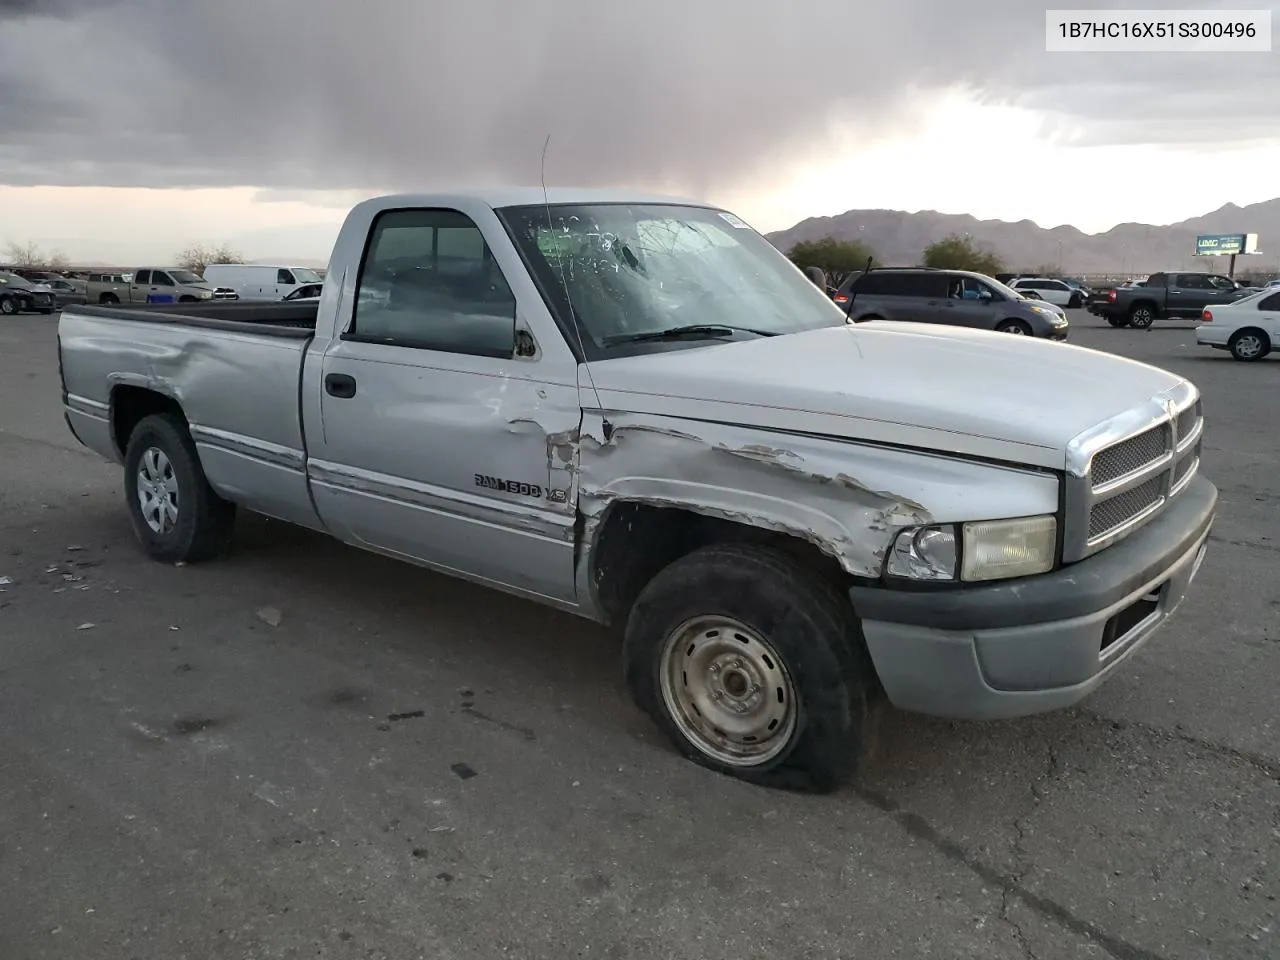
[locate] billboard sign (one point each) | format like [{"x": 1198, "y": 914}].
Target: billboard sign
[{"x": 1226, "y": 244}]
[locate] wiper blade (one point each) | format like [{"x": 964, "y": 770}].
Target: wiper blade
[{"x": 700, "y": 331}]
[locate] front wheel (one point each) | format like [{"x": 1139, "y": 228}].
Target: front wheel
[
  {"x": 754, "y": 666},
  {"x": 7, "y": 306},
  {"x": 175, "y": 513},
  {"x": 1014, "y": 326},
  {"x": 1249, "y": 344}
]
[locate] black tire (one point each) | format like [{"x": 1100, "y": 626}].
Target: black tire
[
  {"x": 186, "y": 299},
  {"x": 47, "y": 311},
  {"x": 204, "y": 522},
  {"x": 108, "y": 299},
  {"x": 1018, "y": 327},
  {"x": 8, "y": 306},
  {"x": 1249, "y": 344},
  {"x": 807, "y": 624},
  {"x": 1075, "y": 303},
  {"x": 1141, "y": 316},
  {"x": 1118, "y": 321}
]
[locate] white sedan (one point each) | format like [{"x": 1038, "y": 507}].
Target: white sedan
[
  {"x": 1248, "y": 328},
  {"x": 1055, "y": 291}
]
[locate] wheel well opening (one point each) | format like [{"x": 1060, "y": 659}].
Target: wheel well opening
[
  {"x": 129, "y": 405},
  {"x": 637, "y": 540}
]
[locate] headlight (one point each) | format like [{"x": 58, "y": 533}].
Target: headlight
[
  {"x": 206, "y": 294},
  {"x": 984, "y": 550}
]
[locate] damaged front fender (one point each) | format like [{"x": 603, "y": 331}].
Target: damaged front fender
[{"x": 848, "y": 499}]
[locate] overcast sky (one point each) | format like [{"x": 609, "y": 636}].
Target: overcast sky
[{"x": 789, "y": 108}]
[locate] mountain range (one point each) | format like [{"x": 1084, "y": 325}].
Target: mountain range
[{"x": 898, "y": 239}]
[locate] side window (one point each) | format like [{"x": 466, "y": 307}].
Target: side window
[
  {"x": 1191, "y": 281},
  {"x": 284, "y": 276},
  {"x": 142, "y": 276},
  {"x": 161, "y": 279},
  {"x": 429, "y": 281},
  {"x": 1270, "y": 303},
  {"x": 1024, "y": 285},
  {"x": 1054, "y": 285}
]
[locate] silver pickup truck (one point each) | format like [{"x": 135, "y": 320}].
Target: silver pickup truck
[{"x": 635, "y": 409}]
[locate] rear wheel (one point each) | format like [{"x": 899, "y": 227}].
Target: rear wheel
[
  {"x": 1076, "y": 302},
  {"x": 1018, "y": 327},
  {"x": 175, "y": 513},
  {"x": 753, "y": 665},
  {"x": 1249, "y": 344},
  {"x": 1141, "y": 316},
  {"x": 108, "y": 299}
]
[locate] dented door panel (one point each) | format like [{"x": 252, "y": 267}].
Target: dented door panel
[{"x": 446, "y": 459}]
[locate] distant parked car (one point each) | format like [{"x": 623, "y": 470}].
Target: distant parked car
[
  {"x": 1247, "y": 328},
  {"x": 1054, "y": 291},
  {"x": 68, "y": 291},
  {"x": 18, "y": 295},
  {"x": 957, "y": 298}
]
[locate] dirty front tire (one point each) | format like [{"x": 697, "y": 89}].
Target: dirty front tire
[
  {"x": 161, "y": 461},
  {"x": 736, "y": 627}
]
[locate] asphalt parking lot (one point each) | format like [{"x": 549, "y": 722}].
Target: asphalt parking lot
[{"x": 304, "y": 750}]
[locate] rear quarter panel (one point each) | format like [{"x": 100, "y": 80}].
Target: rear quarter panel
[{"x": 238, "y": 391}]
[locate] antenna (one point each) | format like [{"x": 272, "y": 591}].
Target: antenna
[
  {"x": 853, "y": 290},
  {"x": 564, "y": 283}
]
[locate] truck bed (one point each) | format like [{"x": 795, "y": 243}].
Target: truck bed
[
  {"x": 289, "y": 319},
  {"x": 232, "y": 369}
]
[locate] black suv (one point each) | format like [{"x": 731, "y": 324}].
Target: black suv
[{"x": 958, "y": 298}]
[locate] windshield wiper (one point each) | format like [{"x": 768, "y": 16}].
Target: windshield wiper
[{"x": 699, "y": 331}]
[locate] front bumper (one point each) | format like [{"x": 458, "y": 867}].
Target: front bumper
[{"x": 1038, "y": 643}]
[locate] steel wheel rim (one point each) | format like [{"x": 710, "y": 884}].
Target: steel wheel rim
[
  {"x": 157, "y": 491},
  {"x": 728, "y": 691},
  {"x": 1248, "y": 346}
]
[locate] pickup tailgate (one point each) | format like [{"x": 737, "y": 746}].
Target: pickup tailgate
[{"x": 235, "y": 382}]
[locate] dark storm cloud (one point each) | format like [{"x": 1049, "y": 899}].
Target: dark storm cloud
[{"x": 687, "y": 94}]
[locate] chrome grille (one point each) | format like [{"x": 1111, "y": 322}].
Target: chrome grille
[
  {"x": 1123, "y": 507},
  {"x": 1129, "y": 456},
  {"x": 1123, "y": 471}
]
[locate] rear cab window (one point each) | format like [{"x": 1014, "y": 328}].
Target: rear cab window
[{"x": 429, "y": 281}]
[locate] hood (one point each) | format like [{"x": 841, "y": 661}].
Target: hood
[{"x": 955, "y": 390}]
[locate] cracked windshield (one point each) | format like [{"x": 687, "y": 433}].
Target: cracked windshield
[{"x": 630, "y": 271}]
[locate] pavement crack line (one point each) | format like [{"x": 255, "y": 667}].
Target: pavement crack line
[
  {"x": 1010, "y": 885},
  {"x": 1255, "y": 761}
]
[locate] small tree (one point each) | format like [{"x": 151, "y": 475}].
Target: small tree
[
  {"x": 960, "y": 253},
  {"x": 835, "y": 258},
  {"x": 29, "y": 256},
  {"x": 197, "y": 256}
]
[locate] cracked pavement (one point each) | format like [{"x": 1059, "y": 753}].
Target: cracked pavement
[{"x": 307, "y": 750}]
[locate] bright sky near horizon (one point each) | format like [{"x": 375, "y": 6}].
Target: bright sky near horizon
[{"x": 256, "y": 144}]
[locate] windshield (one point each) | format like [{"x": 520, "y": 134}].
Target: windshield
[
  {"x": 186, "y": 276},
  {"x": 635, "y": 269},
  {"x": 303, "y": 275}
]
